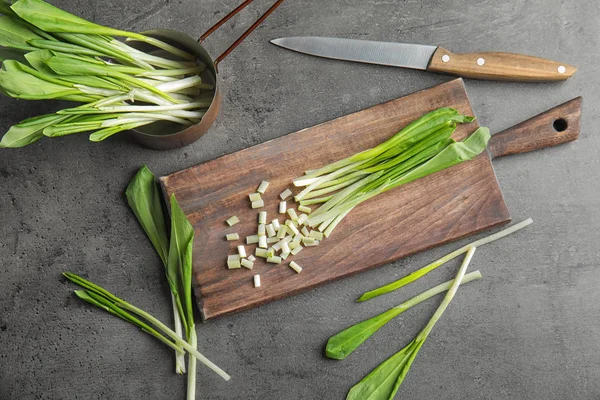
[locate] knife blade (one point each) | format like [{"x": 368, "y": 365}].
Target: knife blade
[{"x": 486, "y": 65}]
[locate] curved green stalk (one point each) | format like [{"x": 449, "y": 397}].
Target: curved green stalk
[{"x": 430, "y": 267}]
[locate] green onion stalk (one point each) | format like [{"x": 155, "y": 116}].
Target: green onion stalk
[{"x": 48, "y": 53}]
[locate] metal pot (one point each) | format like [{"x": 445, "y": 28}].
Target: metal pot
[{"x": 167, "y": 135}]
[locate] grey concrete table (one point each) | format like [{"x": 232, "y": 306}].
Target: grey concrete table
[{"x": 529, "y": 330}]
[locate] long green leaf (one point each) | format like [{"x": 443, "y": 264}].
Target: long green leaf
[
  {"x": 70, "y": 66},
  {"x": 179, "y": 262},
  {"x": 52, "y": 19},
  {"x": 29, "y": 130},
  {"x": 38, "y": 60},
  {"x": 15, "y": 35},
  {"x": 144, "y": 198}
]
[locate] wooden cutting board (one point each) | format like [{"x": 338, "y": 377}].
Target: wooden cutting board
[{"x": 446, "y": 206}]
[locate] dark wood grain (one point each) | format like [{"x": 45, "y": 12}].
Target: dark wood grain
[
  {"x": 550, "y": 128},
  {"x": 437, "y": 209},
  {"x": 499, "y": 66}
]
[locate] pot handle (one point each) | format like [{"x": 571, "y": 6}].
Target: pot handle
[{"x": 244, "y": 35}]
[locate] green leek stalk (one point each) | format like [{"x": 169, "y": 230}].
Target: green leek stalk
[{"x": 430, "y": 267}]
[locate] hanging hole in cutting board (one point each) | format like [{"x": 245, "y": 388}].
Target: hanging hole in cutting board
[{"x": 560, "y": 125}]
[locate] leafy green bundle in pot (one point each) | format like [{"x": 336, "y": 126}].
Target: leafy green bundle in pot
[{"x": 48, "y": 53}]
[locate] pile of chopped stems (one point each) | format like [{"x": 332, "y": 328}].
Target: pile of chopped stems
[
  {"x": 48, "y": 53},
  {"x": 423, "y": 147}
]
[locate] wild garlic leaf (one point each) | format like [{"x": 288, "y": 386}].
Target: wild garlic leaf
[
  {"x": 341, "y": 345},
  {"x": 22, "y": 85},
  {"x": 52, "y": 19},
  {"x": 29, "y": 130},
  {"x": 179, "y": 265},
  {"x": 15, "y": 35},
  {"x": 144, "y": 198},
  {"x": 380, "y": 384}
]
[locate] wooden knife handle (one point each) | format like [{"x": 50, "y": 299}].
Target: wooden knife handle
[
  {"x": 499, "y": 66},
  {"x": 550, "y": 128}
]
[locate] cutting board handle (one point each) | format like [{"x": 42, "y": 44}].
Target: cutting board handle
[{"x": 550, "y": 128}]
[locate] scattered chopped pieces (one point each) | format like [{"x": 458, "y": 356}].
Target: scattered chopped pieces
[
  {"x": 276, "y": 224},
  {"x": 271, "y": 230},
  {"x": 285, "y": 194},
  {"x": 242, "y": 251},
  {"x": 292, "y": 213},
  {"x": 254, "y": 197},
  {"x": 231, "y": 221},
  {"x": 262, "y": 242},
  {"x": 274, "y": 260},
  {"x": 262, "y": 187},
  {"x": 305, "y": 231},
  {"x": 294, "y": 266},
  {"x": 251, "y": 239},
  {"x": 262, "y": 217},
  {"x": 256, "y": 280},
  {"x": 271, "y": 240},
  {"x": 293, "y": 244},
  {"x": 258, "y": 204},
  {"x": 284, "y": 255},
  {"x": 260, "y": 252},
  {"x": 251, "y": 258},
  {"x": 232, "y": 236},
  {"x": 270, "y": 252},
  {"x": 247, "y": 263},
  {"x": 285, "y": 247},
  {"x": 282, "y": 207},
  {"x": 316, "y": 235},
  {"x": 304, "y": 209}
]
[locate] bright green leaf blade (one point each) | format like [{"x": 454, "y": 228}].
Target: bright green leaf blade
[
  {"x": 29, "y": 130},
  {"x": 70, "y": 66},
  {"x": 144, "y": 198},
  {"x": 52, "y": 19},
  {"x": 105, "y": 133},
  {"x": 22, "y": 85},
  {"x": 341, "y": 345},
  {"x": 380, "y": 383},
  {"x": 15, "y": 35},
  {"x": 456, "y": 153},
  {"x": 64, "y": 47},
  {"x": 179, "y": 262}
]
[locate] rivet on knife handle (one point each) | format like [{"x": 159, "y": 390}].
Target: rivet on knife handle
[{"x": 499, "y": 66}]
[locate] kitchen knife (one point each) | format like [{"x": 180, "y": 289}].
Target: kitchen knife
[{"x": 490, "y": 65}]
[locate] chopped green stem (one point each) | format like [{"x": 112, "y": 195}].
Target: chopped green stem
[{"x": 430, "y": 267}]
